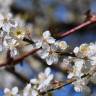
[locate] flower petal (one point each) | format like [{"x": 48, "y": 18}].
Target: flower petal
[
  {"x": 34, "y": 81},
  {"x": 13, "y": 52},
  {"x": 49, "y": 60},
  {"x": 70, "y": 75},
  {"x": 39, "y": 44},
  {"x": 46, "y": 34},
  {"x": 50, "y": 77},
  {"x": 51, "y": 40},
  {"x": 43, "y": 53},
  {"x": 6, "y": 27},
  {"x": 14, "y": 90},
  {"x": 47, "y": 71},
  {"x": 34, "y": 93}
]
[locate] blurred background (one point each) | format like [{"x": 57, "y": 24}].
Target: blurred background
[{"x": 56, "y": 16}]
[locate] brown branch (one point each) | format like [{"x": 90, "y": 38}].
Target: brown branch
[
  {"x": 17, "y": 60},
  {"x": 88, "y": 22},
  {"x": 60, "y": 84},
  {"x": 29, "y": 41}
]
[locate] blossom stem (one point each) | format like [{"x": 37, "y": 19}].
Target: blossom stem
[
  {"x": 29, "y": 41},
  {"x": 61, "y": 84}
]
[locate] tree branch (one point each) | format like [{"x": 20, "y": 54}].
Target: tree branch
[
  {"x": 20, "y": 58},
  {"x": 91, "y": 20},
  {"x": 60, "y": 84}
]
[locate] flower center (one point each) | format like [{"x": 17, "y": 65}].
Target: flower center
[{"x": 18, "y": 32}]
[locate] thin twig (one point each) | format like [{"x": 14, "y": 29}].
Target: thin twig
[
  {"x": 17, "y": 60},
  {"x": 88, "y": 22},
  {"x": 61, "y": 84}
]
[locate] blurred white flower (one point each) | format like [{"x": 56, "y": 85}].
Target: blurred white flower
[
  {"x": 34, "y": 93},
  {"x": 85, "y": 50},
  {"x": 5, "y": 6},
  {"x": 34, "y": 87},
  {"x": 6, "y": 3},
  {"x": 52, "y": 58},
  {"x": 13, "y": 92},
  {"x": 44, "y": 80},
  {"x": 10, "y": 43},
  {"x": 62, "y": 45},
  {"x": 77, "y": 69},
  {"x": 29, "y": 91},
  {"x": 11, "y": 33},
  {"x": 8, "y": 23},
  {"x": 80, "y": 85},
  {"x": 50, "y": 48},
  {"x": 45, "y": 39},
  {"x": 49, "y": 54}
]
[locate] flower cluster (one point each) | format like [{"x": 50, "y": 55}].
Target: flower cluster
[
  {"x": 50, "y": 48},
  {"x": 81, "y": 85},
  {"x": 77, "y": 69},
  {"x": 10, "y": 33},
  {"x": 35, "y": 87},
  {"x": 12, "y": 92},
  {"x": 86, "y": 50},
  {"x": 84, "y": 62}
]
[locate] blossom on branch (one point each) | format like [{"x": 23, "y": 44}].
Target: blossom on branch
[
  {"x": 35, "y": 86},
  {"x": 10, "y": 34},
  {"x": 50, "y": 48}
]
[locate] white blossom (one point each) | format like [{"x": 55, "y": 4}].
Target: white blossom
[
  {"x": 35, "y": 86},
  {"x": 86, "y": 50},
  {"x": 12, "y": 92},
  {"x": 62, "y": 45},
  {"x": 49, "y": 54},
  {"x": 77, "y": 69},
  {"x": 43, "y": 80},
  {"x": 27, "y": 89},
  {"x": 10, "y": 43},
  {"x": 80, "y": 85},
  {"x": 46, "y": 39},
  {"x": 11, "y": 33},
  {"x": 50, "y": 48}
]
